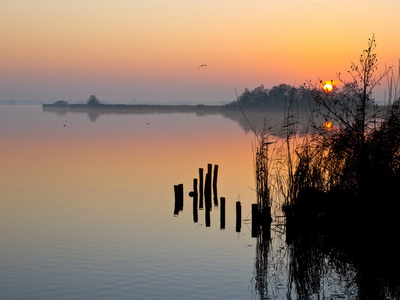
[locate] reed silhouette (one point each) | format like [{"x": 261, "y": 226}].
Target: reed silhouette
[
  {"x": 339, "y": 184},
  {"x": 344, "y": 188},
  {"x": 368, "y": 270},
  {"x": 343, "y": 170}
]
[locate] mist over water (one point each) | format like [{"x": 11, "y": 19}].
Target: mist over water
[
  {"x": 86, "y": 207},
  {"x": 87, "y": 212}
]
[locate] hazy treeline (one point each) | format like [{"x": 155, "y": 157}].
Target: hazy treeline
[
  {"x": 283, "y": 94},
  {"x": 277, "y": 96}
]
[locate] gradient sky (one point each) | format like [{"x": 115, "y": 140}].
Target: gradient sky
[{"x": 121, "y": 50}]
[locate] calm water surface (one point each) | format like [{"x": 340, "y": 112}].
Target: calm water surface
[{"x": 86, "y": 210}]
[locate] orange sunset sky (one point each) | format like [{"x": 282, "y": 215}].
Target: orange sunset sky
[{"x": 149, "y": 51}]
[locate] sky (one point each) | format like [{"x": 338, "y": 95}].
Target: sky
[{"x": 131, "y": 51}]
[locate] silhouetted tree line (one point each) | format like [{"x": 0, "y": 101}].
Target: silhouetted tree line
[
  {"x": 92, "y": 101},
  {"x": 277, "y": 96}
]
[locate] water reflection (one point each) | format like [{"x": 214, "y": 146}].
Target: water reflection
[
  {"x": 261, "y": 263},
  {"x": 82, "y": 207},
  {"x": 274, "y": 116},
  {"x": 303, "y": 263},
  {"x": 363, "y": 262},
  {"x": 86, "y": 200}
]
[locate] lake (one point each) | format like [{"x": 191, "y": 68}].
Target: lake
[{"x": 87, "y": 212}]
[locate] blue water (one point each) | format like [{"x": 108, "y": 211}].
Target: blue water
[{"x": 86, "y": 210}]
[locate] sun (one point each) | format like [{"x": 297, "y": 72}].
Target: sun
[
  {"x": 328, "y": 87},
  {"x": 328, "y": 124}
]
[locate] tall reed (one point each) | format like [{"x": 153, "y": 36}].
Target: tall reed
[{"x": 349, "y": 163}]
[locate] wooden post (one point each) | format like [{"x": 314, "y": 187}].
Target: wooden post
[
  {"x": 207, "y": 191},
  {"x": 195, "y": 185},
  {"x": 266, "y": 231},
  {"x": 201, "y": 188},
  {"x": 176, "y": 207},
  {"x": 254, "y": 220},
  {"x": 207, "y": 188},
  {"x": 209, "y": 168},
  {"x": 208, "y": 209},
  {"x": 215, "y": 200},
  {"x": 207, "y": 196},
  {"x": 201, "y": 173},
  {"x": 266, "y": 216},
  {"x": 238, "y": 216},
  {"x": 222, "y": 211},
  {"x": 195, "y": 211},
  {"x": 178, "y": 190},
  {"x": 215, "y": 177},
  {"x": 266, "y": 223}
]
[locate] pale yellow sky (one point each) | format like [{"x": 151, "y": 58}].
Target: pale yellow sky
[{"x": 150, "y": 50}]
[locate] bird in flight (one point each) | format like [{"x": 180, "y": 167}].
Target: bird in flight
[{"x": 201, "y": 66}]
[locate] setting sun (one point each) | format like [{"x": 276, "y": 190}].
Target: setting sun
[
  {"x": 328, "y": 87},
  {"x": 328, "y": 124}
]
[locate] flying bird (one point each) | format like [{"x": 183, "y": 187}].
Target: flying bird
[{"x": 201, "y": 66}]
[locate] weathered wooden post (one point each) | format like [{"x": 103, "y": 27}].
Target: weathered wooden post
[
  {"x": 176, "y": 206},
  {"x": 195, "y": 211},
  {"x": 215, "y": 177},
  {"x": 215, "y": 197},
  {"x": 266, "y": 216},
  {"x": 201, "y": 187},
  {"x": 238, "y": 216},
  {"x": 195, "y": 185},
  {"x": 254, "y": 220},
  {"x": 209, "y": 168},
  {"x": 208, "y": 210},
  {"x": 207, "y": 188},
  {"x": 266, "y": 223},
  {"x": 222, "y": 213},
  {"x": 178, "y": 190},
  {"x": 207, "y": 196},
  {"x": 207, "y": 191},
  {"x": 266, "y": 231},
  {"x": 201, "y": 173}
]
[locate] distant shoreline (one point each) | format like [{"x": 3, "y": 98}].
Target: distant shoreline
[
  {"x": 196, "y": 108},
  {"x": 139, "y": 108},
  {"x": 136, "y": 106}
]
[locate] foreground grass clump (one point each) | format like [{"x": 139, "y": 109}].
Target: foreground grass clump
[{"x": 348, "y": 170}]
